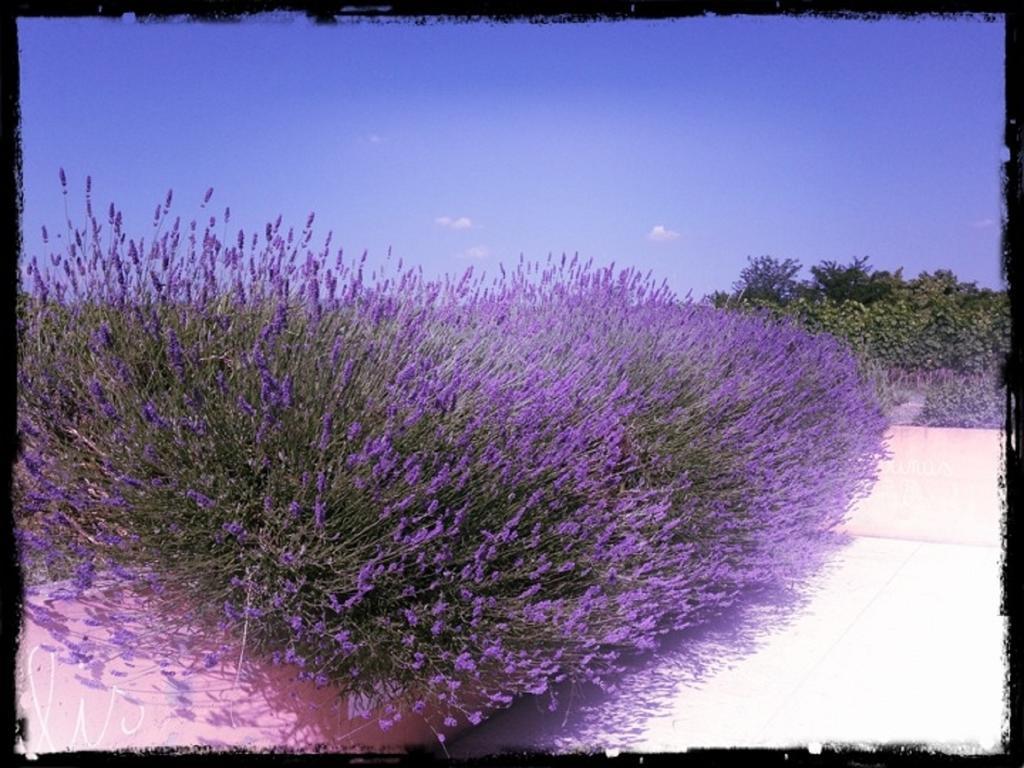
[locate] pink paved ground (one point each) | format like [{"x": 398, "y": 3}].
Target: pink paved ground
[
  {"x": 940, "y": 485},
  {"x": 79, "y": 690}
]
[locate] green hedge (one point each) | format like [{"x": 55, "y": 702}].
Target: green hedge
[
  {"x": 934, "y": 335},
  {"x": 951, "y": 346},
  {"x": 977, "y": 401},
  {"x": 971, "y": 337}
]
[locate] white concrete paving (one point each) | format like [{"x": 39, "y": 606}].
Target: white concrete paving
[
  {"x": 921, "y": 661},
  {"x": 898, "y": 641}
]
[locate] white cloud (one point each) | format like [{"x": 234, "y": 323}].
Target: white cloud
[
  {"x": 477, "y": 252},
  {"x": 462, "y": 222},
  {"x": 661, "y": 235},
  {"x": 373, "y": 138},
  {"x": 983, "y": 223}
]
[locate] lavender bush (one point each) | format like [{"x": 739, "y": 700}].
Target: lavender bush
[{"x": 416, "y": 488}]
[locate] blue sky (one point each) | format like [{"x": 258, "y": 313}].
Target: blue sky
[{"x": 677, "y": 146}]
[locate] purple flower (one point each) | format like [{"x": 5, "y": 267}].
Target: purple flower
[
  {"x": 84, "y": 575},
  {"x": 245, "y": 407},
  {"x": 202, "y": 500},
  {"x": 325, "y": 431},
  {"x": 286, "y": 391},
  {"x": 346, "y": 374},
  {"x": 97, "y": 391},
  {"x": 175, "y": 354},
  {"x": 574, "y": 458},
  {"x": 104, "y": 336}
]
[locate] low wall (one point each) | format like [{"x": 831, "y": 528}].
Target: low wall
[
  {"x": 940, "y": 484},
  {"x": 97, "y": 674}
]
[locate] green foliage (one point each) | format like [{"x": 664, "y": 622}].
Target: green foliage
[
  {"x": 768, "y": 279},
  {"x": 933, "y": 326},
  {"x": 977, "y": 401},
  {"x": 719, "y": 299},
  {"x": 888, "y": 391},
  {"x": 855, "y": 281}
]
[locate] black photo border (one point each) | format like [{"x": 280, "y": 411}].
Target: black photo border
[{"x": 550, "y": 11}]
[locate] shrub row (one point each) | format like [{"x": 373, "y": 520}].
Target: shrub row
[
  {"x": 970, "y": 401},
  {"x": 954, "y": 351},
  {"x": 410, "y": 488},
  {"x": 916, "y": 336},
  {"x": 933, "y": 322}
]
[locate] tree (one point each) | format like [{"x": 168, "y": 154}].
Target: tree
[
  {"x": 942, "y": 282},
  {"x": 718, "y": 299},
  {"x": 856, "y": 281},
  {"x": 768, "y": 279}
]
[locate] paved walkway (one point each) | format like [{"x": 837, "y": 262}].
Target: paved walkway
[
  {"x": 102, "y": 671},
  {"x": 896, "y": 641}
]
